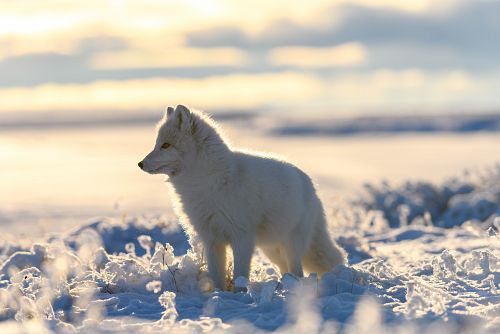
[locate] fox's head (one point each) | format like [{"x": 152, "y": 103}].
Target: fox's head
[{"x": 176, "y": 146}]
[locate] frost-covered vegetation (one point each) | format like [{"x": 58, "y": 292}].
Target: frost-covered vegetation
[
  {"x": 423, "y": 258},
  {"x": 471, "y": 197}
]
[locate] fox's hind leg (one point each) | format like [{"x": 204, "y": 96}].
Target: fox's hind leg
[
  {"x": 295, "y": 248},
  {"x": 294, "y": 260},
  {"x": 276, "y": 256}
]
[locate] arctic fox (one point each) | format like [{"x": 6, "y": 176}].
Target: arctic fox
[{"x": 241, "y": 200}]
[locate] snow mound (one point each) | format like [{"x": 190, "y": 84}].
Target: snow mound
[{"x": 117, "y": 238}]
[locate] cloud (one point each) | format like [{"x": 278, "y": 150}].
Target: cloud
[
  {"x": 468, "y": 32},
  {"x": 349, "y": 54},
  {"x": 225, "y": 36},
  {"x": 55, "y": 58},
  {"x": 243, "y": 91},
  {"x": 78, "y": 39},
  {"x": 411, "y": 90},
  {"x": 102, "y": 43},
  {"x": 159, "y": 57},
  {"x": 38, "y": 68},
  {"x": 106, "y": 57},
  {"x": 378, "y": 91},
  {"x": 473, "y": 26}
]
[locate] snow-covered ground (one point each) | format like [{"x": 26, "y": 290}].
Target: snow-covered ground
[
  {"x": 53, "y": 178},
  {"x": 424, "y": 249}
]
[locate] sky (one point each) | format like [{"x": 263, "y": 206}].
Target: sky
[{"x": 319, "y": 57}]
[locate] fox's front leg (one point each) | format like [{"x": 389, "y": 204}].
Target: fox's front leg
[
  {"x": 243, "y": 249},
  {"x": 216, "y": 262}
]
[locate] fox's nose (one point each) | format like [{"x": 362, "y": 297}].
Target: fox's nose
[{"x": 140, "y": 165}]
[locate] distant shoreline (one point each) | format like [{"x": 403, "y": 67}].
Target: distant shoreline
[{"x": 272, "y": 124}]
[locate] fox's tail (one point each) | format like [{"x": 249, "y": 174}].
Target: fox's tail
[{"x": 323, "y": 253}]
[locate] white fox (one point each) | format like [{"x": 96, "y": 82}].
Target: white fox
[{"x": 241, "y": 200}]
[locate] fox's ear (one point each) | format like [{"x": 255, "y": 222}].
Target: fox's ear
[
  {"x": 183, "y": 117},
  {"x": 181, "y": 108},
  {"x": 169, "y": 111}
]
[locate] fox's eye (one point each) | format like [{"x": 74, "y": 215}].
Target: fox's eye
[{"x": 165, "y": 145}]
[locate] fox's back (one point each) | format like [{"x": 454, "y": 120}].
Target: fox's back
[{"x": 272, "y": 180}]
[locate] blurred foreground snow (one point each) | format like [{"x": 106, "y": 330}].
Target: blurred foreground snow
[{"x": 423, "y": 258}]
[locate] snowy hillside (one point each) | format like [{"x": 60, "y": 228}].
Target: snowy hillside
[{"x": 423, "y": 258}]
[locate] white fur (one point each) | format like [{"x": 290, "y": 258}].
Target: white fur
[{"x": 242, "y": 200}]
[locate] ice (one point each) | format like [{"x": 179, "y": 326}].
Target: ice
[{"x": 415, "y": 266}]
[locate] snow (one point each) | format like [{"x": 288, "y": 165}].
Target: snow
[
  {"x": 423, "y": 246},
  {"x": 423, "y": 258}
]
